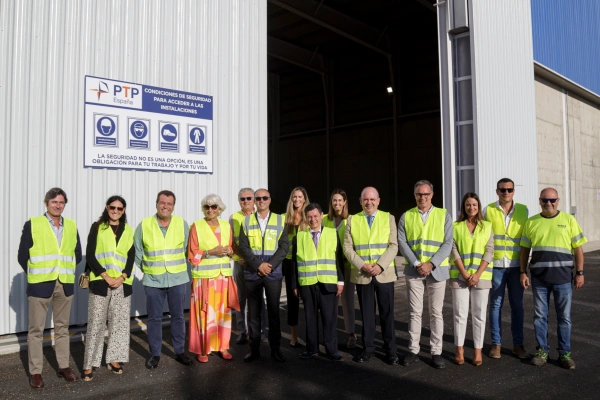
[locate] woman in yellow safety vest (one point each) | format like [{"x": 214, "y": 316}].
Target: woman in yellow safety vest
[
  {"x": 295, "y": 221},
  {"x": 471, "y": 274},
  {"x": 214, "y": 293},
  {"x": 336, "y": 218},
  {"x": 110, "y": 256}
]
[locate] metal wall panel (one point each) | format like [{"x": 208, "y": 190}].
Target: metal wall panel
[
  {"x": 505, "y": 140},
  {"x": 47, "y": 47},
  {"x": 566, "y": 39}
]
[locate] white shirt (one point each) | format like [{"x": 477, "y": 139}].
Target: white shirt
[{"x": 263, "y": 222}]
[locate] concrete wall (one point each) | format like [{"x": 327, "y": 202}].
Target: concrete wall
[{"x": 568, "y": 152}]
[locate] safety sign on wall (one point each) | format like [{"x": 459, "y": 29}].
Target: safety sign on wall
[{"x": 135, "y": 126}]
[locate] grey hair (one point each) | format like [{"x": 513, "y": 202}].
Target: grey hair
[
  {"x": 421, "y": 183},
  {"x": 211, "y": 199},
  {"x": 242, "y": 190}
]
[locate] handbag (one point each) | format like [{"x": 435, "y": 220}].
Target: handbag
[{"x": 84, "y": 280}]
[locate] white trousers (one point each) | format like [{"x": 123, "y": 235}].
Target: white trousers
[
  {"x": 416, "y": 288},
  {"x": 460, "y": 307}
]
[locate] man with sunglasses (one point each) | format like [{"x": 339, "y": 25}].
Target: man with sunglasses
[
  {"x": 508, "y": 219},
  {"x": 263, "y": 246},
  {"x": 246, "y": 200},
  {"x": 160, "y": 251},
  {"x": 555, "y": 239},
  {"x": 425, "y": 237}
]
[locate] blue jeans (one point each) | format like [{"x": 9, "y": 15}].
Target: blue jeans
[
  {"x": 562, "y": 303},
  {"x": 155, "y": 299},
  {"x": 501, "y": 279}
]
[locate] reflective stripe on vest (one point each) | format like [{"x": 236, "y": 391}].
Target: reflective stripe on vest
[
  {"x": 291, "y": 233},
  {"x": 237, "y": 221},
  {"x": 471, "y": 249},
  {"x": 273, "y": 232},
  {"x": 507, "y": 240},
  {"x": 371, "y": 243},
  {"x": 425, "y": 239},
  {"x": 212, "y": 266},
  {"x": 316, "y": 265},
  {"x": 341, "y": 231},
  {"x": 112, "y": 255},
  {"x": 47, "y": 262},
  {"x": 163, "y": 253}
]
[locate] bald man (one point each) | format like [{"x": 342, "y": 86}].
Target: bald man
[
  {"x": 371, "y": 245},
  {"x": 555, "y": 239}
]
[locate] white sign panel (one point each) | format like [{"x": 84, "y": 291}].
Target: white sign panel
[{"x": 133, "y": 126}]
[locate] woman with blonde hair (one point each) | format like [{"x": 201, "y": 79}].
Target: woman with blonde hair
[
  {"x": 214, "y": 293},
  {"x": 295, "y": 221},
  {"x": 336, "y": 219},
  {"x": 471, "y": 274}
]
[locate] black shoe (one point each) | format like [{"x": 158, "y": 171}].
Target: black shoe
[
  {"x": 335, "y": 357},
  {"x": 363, "y": 357},
  {"x": 437, "y": 361},
  {"x": 152, "y": 362},
  {"x": 392, "y": 359},
  {"x": 277, "y": 355},
  {"x": 184, "y": 359},
  {"x": 252, "y": 356},
  {"x": 296, "y": 345},
  {"x": 410, "y": 359},
  {"x": 242, "y": 338},
  {"x": 307, "y": 355}
]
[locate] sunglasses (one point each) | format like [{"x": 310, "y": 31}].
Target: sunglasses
[
  {"x": 245, "y": 198},
  {"x": 544, "y": 200},
  {"x": 211, "y": 207},
  {"x": 263, "y": 198},
  {"x": 422, "y": 194},
  {"x": 504, "y": 190},
  {"x": 113, "y": 208}
]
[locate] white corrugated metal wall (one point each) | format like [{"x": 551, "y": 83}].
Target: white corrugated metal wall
[
  {"x": 505, "y": 98},
  {"x": 47, "y": 47}
]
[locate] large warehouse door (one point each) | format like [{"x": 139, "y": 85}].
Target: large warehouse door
[{"x": 353, "y": 99}]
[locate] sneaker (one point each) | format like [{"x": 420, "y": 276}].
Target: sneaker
[
  {"x": 566, "y": 361},
  {"x": 351, "y": 342},
  {"x": 540, "y": 358},
  {"x": 520, "y": 352},
  {"x": 495, "y": 351}
]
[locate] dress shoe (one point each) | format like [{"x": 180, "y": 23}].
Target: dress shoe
[
  {"x": 252, "y": 356},
  {"x": 242, "y": 338},
  {"x": 459, "y": 356},
  {"x": 152, "y": 362},
  {"x": 307, "y": 355},
  {"x": 495, "y": 351},
  {"x": 351, "y": 342},
  {"x": 411, "y": 358},
  {"x": 184, "y": 359},
  {"x": 335, "y": 357},
  {"x": 277, "y": 355},
  {"x": 67, "y": 374},
  {"x": 437, "y": 361},
  {"x": 477, "y": 358},
  {"x": 520, "y": 352},
  {"x": 36, "y": 381},
  {"x": 392, "y": 359},
  {"x": 363, "y": 357}
]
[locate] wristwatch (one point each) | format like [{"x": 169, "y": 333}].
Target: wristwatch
[{"x": 580, "y": 272}]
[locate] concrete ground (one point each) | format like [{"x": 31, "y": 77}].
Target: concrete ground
[{"x": 506, "y": 378}]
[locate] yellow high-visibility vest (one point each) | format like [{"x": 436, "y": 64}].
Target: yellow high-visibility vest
[
  {"x": 507, "y": 239},
  {"x": 112, "y": 255},
  {"x": 371, "y": 243},
  {"x": 472, "y": 249},
  {"x": 163, "y": 253},
  {"x": 426, "y": 239},
  {"x": 211, "y": 267},
  {"x": 316, "y": 265}
]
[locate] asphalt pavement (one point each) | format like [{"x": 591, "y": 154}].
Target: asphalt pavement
[{"x": 506, "y": 378}]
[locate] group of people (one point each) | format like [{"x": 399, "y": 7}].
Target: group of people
[{"x": 323, "y": 258}]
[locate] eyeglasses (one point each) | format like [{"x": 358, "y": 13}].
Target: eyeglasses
[
  {"x": 212, "y": 207},
  {"x": 504, "y": 190},
  {"x": 422, "y": 194},
  {"x": 113, "y": 208},
  {"x": 544, "y": 200},
  {"x": 263, "y": 198},
  {"x": 245, "y": 198}
]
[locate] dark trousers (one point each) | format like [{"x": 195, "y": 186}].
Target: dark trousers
[
  {"x": 155, "y": 300},
  {"x": 316, "y": 298},
  {"x": 254, "y": 293},
  {"x": 293, "y": 303},
  {"x": 385, "y": 300}
]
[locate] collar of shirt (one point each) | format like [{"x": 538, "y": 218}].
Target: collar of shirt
[
  {"x": 507, "y": 217},
  {"x": 425, "y": 214},
  {"x": 374, "y": 214},
  {"x": 263, "y": 222},
  {"x": 52, "y": 221}
]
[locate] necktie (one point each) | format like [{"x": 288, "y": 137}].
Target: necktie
[
  {"x": 370, "y": 220},
  {"x": 315, "y": 239}
]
